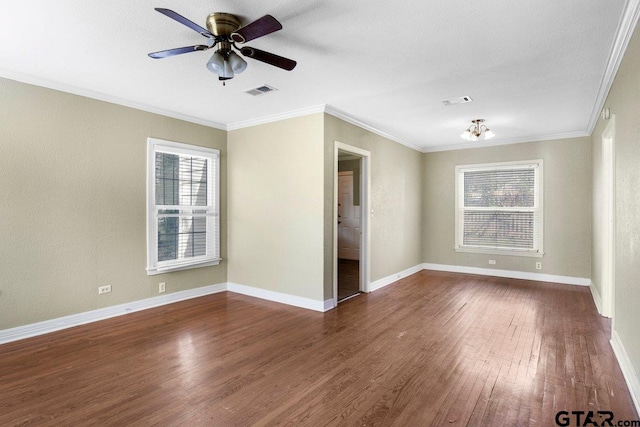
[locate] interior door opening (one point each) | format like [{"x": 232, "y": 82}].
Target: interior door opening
[
  {"x": 349, "y": 225},
  {"x": 352, "y": 216},
  {"x": 351, "y": 236}
]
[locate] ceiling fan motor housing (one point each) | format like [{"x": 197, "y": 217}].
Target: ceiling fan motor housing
[{"x": 222, "y": 24}]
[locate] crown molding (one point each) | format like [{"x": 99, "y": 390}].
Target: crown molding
[
  {"x": 625, "y": 29},
  {"x": 342, "y": 115},
  {"x": 484, "y": 144},
  {"x": 100, "y": 96},
  {"x": 276, "y": 117},
  {"x": 322, "y": 108}
]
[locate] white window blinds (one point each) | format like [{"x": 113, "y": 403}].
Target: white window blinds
[
  {"x": 499, "y": 207},
  {"x": 183, "y": 223}
]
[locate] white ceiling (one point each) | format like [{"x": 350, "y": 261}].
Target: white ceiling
[{"x": 535, "y": 69}]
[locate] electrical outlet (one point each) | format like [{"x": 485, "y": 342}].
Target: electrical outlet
[
  {"x": 538, "y": 266},
  {"x": 104, "y": 289},
  {"x": 161, "y": 287},
  {"x": 492, "y": 261}
]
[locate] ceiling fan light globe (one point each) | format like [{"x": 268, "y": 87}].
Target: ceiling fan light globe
[
  {"x": 216, "y": 63},
  {"x": 238, "y": 65},
  {"x": 474, "y": 137},
  {"x": 227, "y": 71},
  {"x": 466, "y": 134},
  {"x": 488, "y": 134}
]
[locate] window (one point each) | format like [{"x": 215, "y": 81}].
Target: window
[
  {"x": 499, "y": 208},
  {"x": 183, "y": 228}
]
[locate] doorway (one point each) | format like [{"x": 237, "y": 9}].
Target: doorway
[
  {"x": 351, "y": 236},
  {"x": 349, "y": 223}
]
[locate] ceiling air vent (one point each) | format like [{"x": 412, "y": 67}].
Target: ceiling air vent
[
  {"x": 260, "y": 90},
  {"x": 459, "y": 100}
]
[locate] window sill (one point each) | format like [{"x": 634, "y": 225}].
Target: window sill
[
  {"x": 151, "y": 271},
  {"x": 500, "y": 252}
]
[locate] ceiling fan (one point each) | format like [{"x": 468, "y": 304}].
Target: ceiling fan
[{"x": 224, "y": 31}]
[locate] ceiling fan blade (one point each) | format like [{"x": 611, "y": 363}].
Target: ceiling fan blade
[
  {"x": 178, "y": 51},
  {"x": 184, "y": 21},
  {"x": 258, "y": 28},
  {"x": 269, "y": 58}
]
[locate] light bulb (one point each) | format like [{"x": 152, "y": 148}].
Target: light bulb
[
  {"x": 227, "y": 71},
  {"x": 216, "y": 63},
  {"x": 238, "y": 64}
]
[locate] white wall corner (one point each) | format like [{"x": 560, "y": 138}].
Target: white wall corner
[
  {"x": 386, "y": 281},
  {"x": 329, "y": 304},
  {"x": 343, "y": 115},
  {"x": 279, "y": 297},
  {"x": 314, "y": 109},
  {"x": 628, "y": 371},
  {"x": 597, "y": 299},
  {"x": 52, "y": 325},
  {"x": 539, "y": 277}
]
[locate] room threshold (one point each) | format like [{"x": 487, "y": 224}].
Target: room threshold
[{"x": 349, "y": 297}]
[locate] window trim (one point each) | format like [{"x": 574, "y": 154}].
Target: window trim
[
  {"x": 539, "y": 208},
  {"x": 213, "y": 176}
]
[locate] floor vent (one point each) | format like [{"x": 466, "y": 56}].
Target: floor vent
[
  {"x": 260, "y": 90},
  {"x": 459, "y": 100}
]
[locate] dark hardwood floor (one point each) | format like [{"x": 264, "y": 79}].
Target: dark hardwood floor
[
  {"x": 433, "y": 349},
  {"x": 348, "y": 278}
]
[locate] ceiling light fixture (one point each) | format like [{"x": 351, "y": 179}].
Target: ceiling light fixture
[
  {"x": 224, "y": 30},
  {"x": 476, "y": 130},
  {"x": 226, "y": 63}
]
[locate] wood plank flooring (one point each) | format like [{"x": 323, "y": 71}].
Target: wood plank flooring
[
  {"x": 433, "y": 349},
  {"x": 348, "y": 278}
]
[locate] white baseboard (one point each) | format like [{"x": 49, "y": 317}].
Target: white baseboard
[
  {"x": 282, "y": 298},
  {"x": 566, "y": 280},
  {"x": 628, "y": 371},
  {"x": 44, "y": 327},
  {"x": 57, "y": 324},
  {"x": 386, "y": 281}
]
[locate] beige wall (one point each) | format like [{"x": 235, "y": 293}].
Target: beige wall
[
  {"x": 73, "y": 203},
  {"x": 276, "y": 207},
  {"x": 567, "y": 206},
  {"x": 624, "y": 102},
  {"x": 396, "y": 188}
]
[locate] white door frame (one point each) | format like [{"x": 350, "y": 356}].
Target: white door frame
[
  {"x": 608, "y": 217},
  {"x": 365, "y": 198}
]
